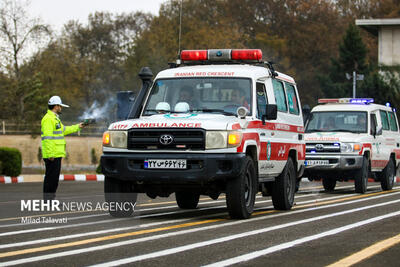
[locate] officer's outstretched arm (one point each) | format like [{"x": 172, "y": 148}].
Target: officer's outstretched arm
[{"x": 71, "y": 129}]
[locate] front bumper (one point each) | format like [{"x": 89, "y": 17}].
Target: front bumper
[
  {"x": 337, "y": 162},
  {"x": 202, "y": 168}
]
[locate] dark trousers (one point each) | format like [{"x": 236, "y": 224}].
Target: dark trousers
[{"x": 51, "y": 178}]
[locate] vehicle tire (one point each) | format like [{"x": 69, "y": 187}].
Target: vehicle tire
[
  {"x": 119, "y": 193},
  {"x": 388, "y": 175},
  {"x": 285, "y": 187},
  {"x": 329, "y": 184},
  {"x": 361, "y": 179},
  {"x": 241, "y": 192},
  {"x": 297, "y": 185},
  {"x": 187, "y": 200}
]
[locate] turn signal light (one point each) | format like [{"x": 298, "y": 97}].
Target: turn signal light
[
  {"x": 234, "y": 139},
  {"x": 106, "y": 139},
  {"x": 357, "y": 147}
]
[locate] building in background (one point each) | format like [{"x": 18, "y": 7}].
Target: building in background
[{"x": 388, "y": 33}]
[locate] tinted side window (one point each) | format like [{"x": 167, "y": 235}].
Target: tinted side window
[
  {"x": 280, "y": 97},
  {"x": 373, "y": 124},
  {"x": 261, "y": 100},
  {"x": 392, "y": 121},
  {"x": 292, "y": 99},
  {"x": 384, "y": 119}
]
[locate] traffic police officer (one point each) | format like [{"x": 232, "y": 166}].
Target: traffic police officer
[{"x": 53, "y": 145}]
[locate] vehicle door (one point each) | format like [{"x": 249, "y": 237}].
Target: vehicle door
[
  {"x": 265, "y": 166},
  {"x": 378, "y": 148}
]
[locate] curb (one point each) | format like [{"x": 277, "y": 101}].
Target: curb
[
  {"x": 82, "y": 177},
  {"x": 39, "y": 178},
  {"x": 11, "y": 180}
]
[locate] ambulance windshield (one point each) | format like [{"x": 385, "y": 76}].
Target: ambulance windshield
[
  {"x": 199, "y": 95},
  {"x": 337, "y": 121}
]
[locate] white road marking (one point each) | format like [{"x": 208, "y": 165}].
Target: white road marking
[
  {"x": 155, "y": 237},
  {"x": 132, "y": 218},
  {"x": 256, "y": 232},
  {"x": 51, "y": 239},
  {"x": 296, "y": 242}
]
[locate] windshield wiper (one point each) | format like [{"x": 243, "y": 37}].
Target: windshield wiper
[
  {"x": 226, "y": 113},
  {"x": 315, "y": 130},
  {"x": 345, "y": 130}
]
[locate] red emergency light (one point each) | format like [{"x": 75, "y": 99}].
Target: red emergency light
[
  {"x": 328, "y": 100},
  {"x": 194, "y": 55},
  {"x": 222, "y": 55},
  {"x": 247, "y": 54}
]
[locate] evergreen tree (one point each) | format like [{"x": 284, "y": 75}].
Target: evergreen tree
[{"x": 352, "y": 57}]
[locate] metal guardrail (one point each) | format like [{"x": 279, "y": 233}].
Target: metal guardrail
[{"x": 12, "y": 128}]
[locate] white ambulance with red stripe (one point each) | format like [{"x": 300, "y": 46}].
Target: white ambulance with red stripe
[
  {"x": 352, "y": 138},
  {"x": 218, "y": 121}
]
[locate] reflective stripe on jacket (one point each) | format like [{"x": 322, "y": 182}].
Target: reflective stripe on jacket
[{"x": 53, "y": 131}]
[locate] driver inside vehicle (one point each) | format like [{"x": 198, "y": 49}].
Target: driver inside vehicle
[
  {"x": 238, "y": 98},
  {"x": 329, "y": 124},
  {"x": 186, "y": 95}
]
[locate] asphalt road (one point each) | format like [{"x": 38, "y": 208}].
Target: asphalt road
[{"x": 340, "y": 228}]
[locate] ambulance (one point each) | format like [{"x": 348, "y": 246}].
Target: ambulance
[
  {"x": 219, "y": 121},
  {"x": 352, "y": 138}
]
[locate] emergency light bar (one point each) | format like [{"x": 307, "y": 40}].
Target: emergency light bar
[
  {"x": 346, "y": 100},
  {"x": 253, "y": 55}
]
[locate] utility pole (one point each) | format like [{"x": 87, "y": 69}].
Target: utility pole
[{"x": 356, "y": 77}]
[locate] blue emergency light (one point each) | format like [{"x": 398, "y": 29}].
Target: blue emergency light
[{"x": 361, "y": 100}]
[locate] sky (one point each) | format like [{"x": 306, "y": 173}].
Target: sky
[{"x": 58, "y": 12}]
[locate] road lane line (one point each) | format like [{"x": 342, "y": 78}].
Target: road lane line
[
  {"x": 113, "y": 220},
  {"x": 249, "y": 256},
  {"x": 105, "y": 238},
  {"x": 139, "y": 205},
  {"x": 52, "y": 239},
  {"x": 138, "y": 217},
  {"x": 367, "y": 252},
  {"x": 121, "y": 243},
  {"x": 127, "y": 228},
  {"x": 313, "y": 203},
  {"x": 256, "y": 254},
  {"x": 106, "y": 214}
]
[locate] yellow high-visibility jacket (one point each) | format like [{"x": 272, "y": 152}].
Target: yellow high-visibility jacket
[{"x": 53, "y": 131}]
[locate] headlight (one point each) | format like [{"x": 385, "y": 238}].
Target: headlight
[
  {"x": 116, "y": 139},
  {"x": 216, "y": 139},
  {"x": 350, "y": 147},
  {"x": 223, "y": 139}
]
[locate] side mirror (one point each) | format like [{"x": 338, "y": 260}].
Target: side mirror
[
  {"x": 271, "y": 112},
  {"x": 306, "y": 113}
]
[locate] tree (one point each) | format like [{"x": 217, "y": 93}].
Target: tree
[
  {"x": 352, "y": 57},
  {"x": 17, "y": 33}
]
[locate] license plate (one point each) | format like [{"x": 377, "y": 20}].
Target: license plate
[
  {"x": 165, "y": 164},
  {"x": 316, "y": 162}
]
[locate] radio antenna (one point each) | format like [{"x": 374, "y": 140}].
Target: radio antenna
[{"x": 180, "y": 28}]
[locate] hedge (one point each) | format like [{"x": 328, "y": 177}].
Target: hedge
[{"x": 10, "y": 161}]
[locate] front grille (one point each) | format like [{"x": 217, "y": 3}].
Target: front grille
[
  {"x": 322, "y": 147},
  {"x": 183, "y": 139}
]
